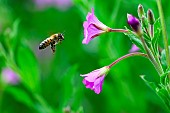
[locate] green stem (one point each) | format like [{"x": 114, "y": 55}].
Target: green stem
[
  {"x": 41, "y": 101},
  {"x": 152, "y": 30},
  {"x": 164, "y": 33},
  {"x": 156, "y": 56},
  {"x": 146, "y": 30},
  {"x": 151, "y": 57},
  {"x": 126, "y": 56},
  {"x": 165, "y": 36}
]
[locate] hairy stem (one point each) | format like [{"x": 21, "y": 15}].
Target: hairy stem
[
  {"x": 151, "y": 57},
  {"x": 152, "y": 30},
  {"x": 117, "y": 30},
  {"x": 126, "y": 56}
]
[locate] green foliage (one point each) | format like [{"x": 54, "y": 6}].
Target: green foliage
[
  {"x": 135, "y": 39},
  {"x": 28, "y": 65},
  {"x": 163, "y": 57},
  {"x": 51, "y": 83},
  {"x": 157, "y": 33},
  {"x": 21, "y": 96},
  {"x": 161, "y": 89}
]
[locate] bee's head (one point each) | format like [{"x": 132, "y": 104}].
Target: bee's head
[{"x": 60, "y": 36}]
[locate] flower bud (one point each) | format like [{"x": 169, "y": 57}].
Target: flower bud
[
  {"x": 151, "y": 18},
  {"x": 140, "y": 11},
  {"x": 144, "y": 22},
  {"x": 134, "y": 24}
]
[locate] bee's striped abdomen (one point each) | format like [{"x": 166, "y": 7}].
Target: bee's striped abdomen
[{"x": 45, "y": 43}]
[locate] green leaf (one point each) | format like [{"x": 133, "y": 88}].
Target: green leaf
[
  {"x": 28, "y": 66},
  {"x": 160, "y": 90},
  {"x": 80, "y": 110},
  {"x": 165, "y": 96},
  {"x": 157, "y": 32},
  {"x": 14, "y": 32},
  {"x": 163, "y": 57},
  {"x": 2, "y": 57},
  {"x": 67, "y": 84},
  {"x": 164, "y": 78},
  {"x": 152, "y": 85},
  {"x": 11, "y": 37},
  {"x": 21, "y": 96},
  {"x": 134, "y": 38},
  {"x": 14, "y": 35},
  {"x": 41, "y": 105}
]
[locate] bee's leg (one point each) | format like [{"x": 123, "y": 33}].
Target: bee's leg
[
  {"x": 59, "y": 41},
  {"x": 53, "y": 48}
]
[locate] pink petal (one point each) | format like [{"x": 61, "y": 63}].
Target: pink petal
[
  {"x": 90, "y": 33},
  {"x": 88, "y": 15},
  {"x": 98, "y": 84},
  {"x": 93, "y": 31},
  {"x": 92, "y": 76},
  {"x": 134, "y": 48},
  {"x": 85, "y": 25},
  {"x": 92, "y": 27},
  {"x": 88, "y": 84},
  {"x": 92, "y": 19}
]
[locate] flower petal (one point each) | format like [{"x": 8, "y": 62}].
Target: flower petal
[
  {"x": 90, "y": 33},
  {"x": 134, "y": 48},
  {"x": 88, "y": 84},
  {"x": 92, "y": 76},
  {"x": 92, "y": 27},
  {"x": 133, "y": 22},
  {"x": 98, "y": 84},
  {"x": 93, "y": 31}
]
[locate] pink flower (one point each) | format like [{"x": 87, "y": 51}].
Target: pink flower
[
  {"x": 61, "y": 4},
  {"x": 9, "y": 76},
  {"x": 134, "y": 48},
  {"x": 94, "y": 80},
  {"x": 93, "y": 27}
]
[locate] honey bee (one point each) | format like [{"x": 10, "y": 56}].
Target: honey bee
[{"x": 52, "y": 41}]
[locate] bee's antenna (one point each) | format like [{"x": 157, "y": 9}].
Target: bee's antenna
[{"x": 63, "y": 32}]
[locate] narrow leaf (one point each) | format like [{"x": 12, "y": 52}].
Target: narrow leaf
[{"x": 28, "y": 65}]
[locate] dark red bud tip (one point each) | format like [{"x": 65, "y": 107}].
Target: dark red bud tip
[
  {"x": 140, "y": 11},
  {"x": 151, "y": 18}
]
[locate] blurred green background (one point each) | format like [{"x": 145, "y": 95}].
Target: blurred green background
[{"x": 51, "y": 83}]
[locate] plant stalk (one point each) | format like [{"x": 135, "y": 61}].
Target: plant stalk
[
  {"x": 164, "y": 33},
  {"x": 151, "y": 57},
  {"x": 126, "y": 56}
]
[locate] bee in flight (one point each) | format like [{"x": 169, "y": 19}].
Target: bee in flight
[{"x": 52, "y": 41}]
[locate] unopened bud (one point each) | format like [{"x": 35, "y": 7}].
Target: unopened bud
[
  {"x": 140, "y": 11},
  {"x": 151, "y": 18},
  {"x": 134, "y": 24}
]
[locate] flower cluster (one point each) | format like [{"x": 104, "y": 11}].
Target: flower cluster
[
  {"x": 93, "y": 28},
  {"x": 142, "y": 29}
]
